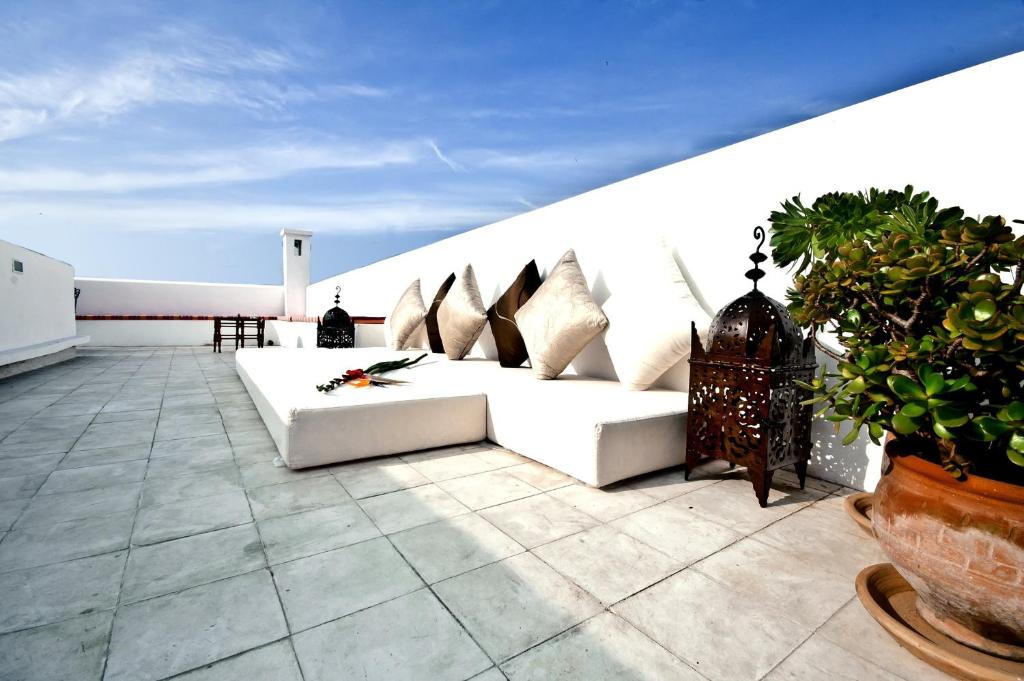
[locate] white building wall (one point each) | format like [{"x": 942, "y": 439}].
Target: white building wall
[
  {"x": 137, "y": 297},
  {"x": 37, "y": 306},
  {"x": 959, "y": 136},
  {"x": 296, "y": 247}
]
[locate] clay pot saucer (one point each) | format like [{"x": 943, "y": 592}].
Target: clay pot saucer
[
  {"x": 892, "y": 602},
  {"x": 859, "y": 506}
]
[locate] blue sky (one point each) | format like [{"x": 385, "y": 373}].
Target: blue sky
[{"x": 173, "y": 140}]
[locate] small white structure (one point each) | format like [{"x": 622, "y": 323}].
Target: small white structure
[
  {"x": 37, "y": 310},
  {"x": 296, "y": 246}
]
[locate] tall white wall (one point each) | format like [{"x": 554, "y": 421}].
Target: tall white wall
[
  {"x": 295, "y": 245},
  {"x": 135, "y": 297},
  {"x": 37, "y": 306},
  {"x": 959, "y": 136}
]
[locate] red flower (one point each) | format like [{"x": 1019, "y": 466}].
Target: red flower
[{"x": 354, "y": 373}]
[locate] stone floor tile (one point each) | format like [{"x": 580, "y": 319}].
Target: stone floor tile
[
  {"x": 487, "y": 489},
  {"x": 294, "y": 497},
  {"x": 492, "y": 674},
  {"x": 818, "y": 658},
  {"x": 72, "y": 407},
  {"x": 257, "y": 453},
  {"x": 20, "y": 487},
  {"x": 48, "y": 594},
  {"x": 45, "y": 544},
  {"x": 190, "y": 516},
  {"x": 665, "y": 485},
  {"x": 608, "y": 563},
  {"x": 538, "y": 519},
  {"x": 512, "y": 605},
  {"x": 116, "y": 434},
  {"x": 540, "y": 476},
  {"x": 407, "y": 639},
  {"x": 132, "y": 404},
  {"x": 184, "y": 563},
  {"x": 370, "y": 478},
  {"x": 106, "y": 455},
  {"x": 274, "y": 662},
  {"x": 789, "y": 478},
  {"x": 677, "y": 531},
  {"x": 40, "y": 464},
  {"x": 450, "y": 547},
  {"x": 48, "y": 428},
  {"x": 605, "y": 504},
  {"x": 23, "y": 449},
  {"x": 92, "y": 477},
  {"x": 137, "y": 415},
  {"x": 732, "y": 503},
  {"x": 189, "y": 463},
  {"x": 58, "y": 508},
  {"x": 408, "y": 508},
  {"x": 11, "y": 511},
  {"x": 176, "y": 401},
  {"x": 181, "y": 429},
  {"x": 266, "y": 473},
  {"x": 73, "y": 649},
  {"x": 691, "y": 615},
  {"x": 781, "y": 581},
  {"x": 190, "y": 445},
  {"x": 853, "y": 629},
  {"x": 336, "y": 583},
  {"x": 604, "y": 648},
  {"x": 445, "y": 464},
  {"x": 498, "y": 457},
  {"x": 179, "y": 632},
  {"x": 303, "y": 534},
  {"x": 159, "y": 491},
  {"x": 250, "y": 438}
]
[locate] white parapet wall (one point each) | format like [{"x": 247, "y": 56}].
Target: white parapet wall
[
  {"x": 139, "y": 297},
  {"x": 958, "y": 136},
  {"x": 37, "y": 309}
]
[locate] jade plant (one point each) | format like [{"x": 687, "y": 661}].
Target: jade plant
[{"x": 926, "y": 307}]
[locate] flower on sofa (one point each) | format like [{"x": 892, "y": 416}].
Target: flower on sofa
[{"x": 362, "y": 378}]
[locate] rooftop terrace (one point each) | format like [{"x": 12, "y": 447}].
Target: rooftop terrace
[{"x": 145, "y": 533}]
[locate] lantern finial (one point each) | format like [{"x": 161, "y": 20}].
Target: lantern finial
[
  {"x": 757, "y": 257},
  {"x": 337, "y": 294}
]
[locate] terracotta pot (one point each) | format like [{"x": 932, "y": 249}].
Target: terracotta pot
[{"x": 961, "y": 546}]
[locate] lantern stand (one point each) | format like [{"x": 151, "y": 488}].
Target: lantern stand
[
  {"x": 744, "y": 402},
  {"x": 337, "y": 329}
]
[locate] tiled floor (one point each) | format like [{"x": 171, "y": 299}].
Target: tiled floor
[{"x": 145, "y": 533}]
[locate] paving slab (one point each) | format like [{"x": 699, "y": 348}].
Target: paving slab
[
  {"x": 515, "y": 604},
  {"x": 677, "y": 532},
  {"x": 539, "y": 476},
  {"x": 102, "y": 435},
  {"x": 297, "y": 496},
  {"x": 189, "y": 463},
  {"x": 336, "y": 583},
  {"x": 274, "y": 662},
  {"x": 605, "y": 504},
  {"x": 45, "y": 544},
  {"x": 818, "y": 658},
  {"x": 48, "y": 594},
  {"x": 20, "y": 487},
  {"x": 450, "y": 547},
  {"x": 105, "y": 455},
  {"x": 408, "y": 508},
  {"x": 184, "y": 563},
  {"x": 263, "y": 473},
  {"x": 57, "y": 508},
  {"x": 159, "y": 491},
  {"x": 92, "y": 477},
  {"x": 380, "y": 476},
  {"x": 487, "y": 489},
  {"x": 73, "y": 649},
  {"x": 411, "y": 638},
  {"x": 303, "y": 534},
  {"x": 190, "y": 445},
  {"x": 167, "y": 635},
  {"x": 190, "y": 516},
  {"x": 538, "y": 520},
  {"x": 39, "y": 464},
  {"x": 447, "y": 463}
]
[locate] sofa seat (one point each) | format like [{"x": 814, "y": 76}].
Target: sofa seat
[{"x": 589, "y": 428}]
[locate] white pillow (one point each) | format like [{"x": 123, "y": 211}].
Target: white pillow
[
  {"x": 649, "y": 315},
  {"x": 407, "y": 318},
  {"x": 462, "y": 316},
  {"x": 559, "y": 319}
]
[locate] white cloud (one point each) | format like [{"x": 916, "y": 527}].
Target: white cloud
[
  {"x": 408, "y": 212},
  {"x": 444, "y": 159},
  {"x": 183, "y": 169}
]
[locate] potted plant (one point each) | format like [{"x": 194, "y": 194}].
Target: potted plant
[{"x": 926, "y": 307}]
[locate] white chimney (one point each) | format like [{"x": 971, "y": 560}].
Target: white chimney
[{"x": 296, "y": 247}]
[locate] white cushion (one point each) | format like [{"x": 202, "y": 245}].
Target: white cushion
[
  {"x": 462, "y": 316},
  {"x": 406, "y": 319},
  {"x": 649, "y": 318},
  {"x": 559, "y": 319}
]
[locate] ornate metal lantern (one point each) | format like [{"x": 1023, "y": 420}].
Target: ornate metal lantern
[
  {"x": 336, "y": 330},
  {"x": 744, "y": 405}
]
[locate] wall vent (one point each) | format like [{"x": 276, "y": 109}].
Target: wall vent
[{"x": 17, "y": 266}]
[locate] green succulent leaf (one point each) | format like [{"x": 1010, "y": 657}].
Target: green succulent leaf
[
  {"x": 906, "y": 388},
  {"x": 904, "y": 425}
]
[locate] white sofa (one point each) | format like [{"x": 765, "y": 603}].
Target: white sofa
[{"x": 589, "y": 428}]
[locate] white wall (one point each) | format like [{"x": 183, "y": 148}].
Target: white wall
[
  {"x": 303, "y": 334},
  {"x": 135, "y": 297},
  {"x": 148, "y": 332},
  {"x": 959, "y": 136},
  {"x": 37, "y": 307}
]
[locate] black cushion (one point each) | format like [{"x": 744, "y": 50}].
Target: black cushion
[
  {"x": 433, "y": 332},
  {"x": 502, "y": 316}
]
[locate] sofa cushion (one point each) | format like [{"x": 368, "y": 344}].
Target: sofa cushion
[
  {"x": 559, "y": 319},
  {"x": 501, "y": 316},
  {"x": 649, "y": 318},
  {"x": 461, "y": 316},
  {"x": 407, "y": 317},
  {"x": 433, "y": 332}
]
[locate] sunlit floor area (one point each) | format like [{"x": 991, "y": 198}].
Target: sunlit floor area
[{"x": 146, "y": 533}]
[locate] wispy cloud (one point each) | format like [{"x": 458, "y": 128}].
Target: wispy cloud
[
  {"x": 523, "y": 201},
  {"x": 385, "y": 212},
  {"x": 209, "y": 167},
  {"x": 444, "y": 159}
]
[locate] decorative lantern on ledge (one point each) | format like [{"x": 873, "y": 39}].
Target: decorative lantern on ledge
[
  {"x": 337, "y": 329},
  {"x": 744, "y": 404}
]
